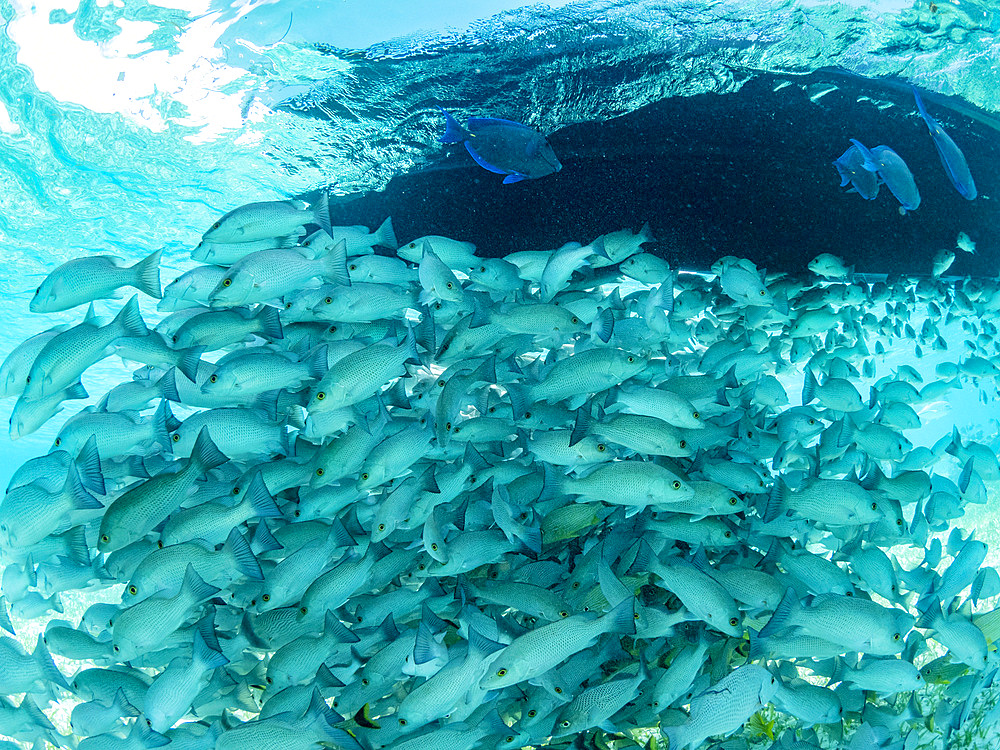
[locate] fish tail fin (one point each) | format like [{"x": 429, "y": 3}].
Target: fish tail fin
[
  {"x": 782, "y": 613},
  {"x": 920, "y": 102},
  {"x": 81, "y": 499},
  {"x": 257, "y": 496},
  {"x": 88, "y": 464},
  {"x": 453, "y": 131},
  {"x": 189, "y": 360},
  {"x": 75, "y": 391},
  {"x": 520, "y": 399},
  {"x": 321, "y": 212},
  {"x": 243, "y": 557},
  {"x": 205, "y": 453},
  {"x": 675, "y": 737},
  {"x": 603, "y": 326},
  {"x": 621, "y": 618},
  {"x": 202, "y": 653},
  {"x": 335, "y": 264},
  {"x": 168, "y": 385},
  {"x": 270, "y": 323},
  {"x": 410, "y": 344},
  {"x": 196, "y": 586},
  {"x": 318, "y": 361},
  {"x": 385, "y": 236},
  {"x": 128, "y": 322},
  {"x": 646, "y": 234},
  {"x": 809, "y": 387},
  {"x": 869, "y": 162},
  {"x": 77, "y": 548},
  {"x": 777, "y": 500},
  {"x": 44, "y": 660},
  {"x": 147, "y": 275},
  {"x": 582, "y": 423},
  {"x": 756, "y": 648}
]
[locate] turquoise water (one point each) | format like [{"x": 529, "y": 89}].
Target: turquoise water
[{"x": 131, "y": 126}]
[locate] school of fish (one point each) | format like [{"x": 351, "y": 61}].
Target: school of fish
[{"x": 360, "y": 495}]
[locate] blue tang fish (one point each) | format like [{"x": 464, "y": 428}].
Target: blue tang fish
[
  {"x": 850, "y": 166},
  {"x": 951, "y": 155},
  {"x": 504, "y": 147},
  {"x": 892, "y": 170}
]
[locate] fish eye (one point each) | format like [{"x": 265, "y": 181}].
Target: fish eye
[
  {"x": 213, "y": 379},
  {"x": 174, "y": 339},
  {"x": 58, "y": 442},
  {"x": 434, "y": 546},
  {"x": 38, "y": 290},
  {"x": 332, "y": 329},
  {"x": 227, "y": 282},
  {"x": 381, "y": 527},
  {"x": 320, "y": 472},
  {"x": 683, "y": 444},
  {"x": 501, "y": 672},
  {"x": 763, "y": 293},
  {"x": 149, "y": 723},
  {"x": 297, "y": 513},
  {"x": 733, "y": 501},
  {"x": 216, "y": 225},
  {"x": 352, "y": 267},
  {"x": 105, "y": 538},
  {"x": 402, "y": 722},
  {"x": 874, "y": 506},
  {"x": 631, "y": 360},
  {"x": 447, "y": 426},
  {"x": 328, "y": 300},
  {"x": 749, "y": 433},
  {"x": 532, "y": 713},
  {"x": 509, "y": 738},
  {"x": 564, "y": 723},
  {"x": 421, "y": 566},
  {"x": 365, "y": 681},
  {"x": 563, "y": 613},
  {"x": 527, "y": 415},
  {"x": 492, "y": 409},
  {"x": 320, "y": 396},
  {"x": 899, "y": 521},
  {"x": 895, "y": 636},
  {"x": 133, "y": 590},
  {"x": 558, "y": 690},
  {"x": 456, "y": 431},
  {"x": 176, "y": 437},
  {"x": 364, "y": 477},
  {"x": 734, "y": 621},
  {"x": 412, "y": 245},
  {"x": 449, "y": 285},
  {"x": 576, "y": 584},
  {"x": 117, "y": 649},
  {"x": 602, "y": 447},
  {"x": 304, "y": 610},
  {"x": 437, "y": 305},
  {"x": 812, "y": 421},
  {"x": 236, "y": 490},
  {"x": 288, "y": 305},
  {"x": 482, "y": 269},
  {"x": 269, "y": 680},
  {"x": 574, "y": 320},
  {"x": 266, "y": 598},
  {"x": 728, "y": 535},
  {"x": 635, "y": 616},
  {"x": 676, "y": 485},
  {"x": 27, "y": 379},
  {"x": 696, "y": 415}
]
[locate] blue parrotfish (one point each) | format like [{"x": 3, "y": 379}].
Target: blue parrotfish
[
  {"x": 850, "y": 166},
  {"x": 892, "y": 170},
  {"x": 952, "y": 158},
  {"x": 504, "y": 147}
]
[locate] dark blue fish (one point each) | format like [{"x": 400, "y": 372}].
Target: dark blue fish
[
  {"x": 850, "y": 166},
  {"x": 952, "y": 158},
  {"x": 504, "y": 147},
  {"x": 892, "y": 170}
]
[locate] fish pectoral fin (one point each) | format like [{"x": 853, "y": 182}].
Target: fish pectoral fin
[{"x": 513, "y": 178}]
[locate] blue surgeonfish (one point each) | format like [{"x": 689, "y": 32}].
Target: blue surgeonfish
[
  {"x": 952, "y": 158},
  {"x": 503, "y": 146},
  {"x": 892, "y": 170}
]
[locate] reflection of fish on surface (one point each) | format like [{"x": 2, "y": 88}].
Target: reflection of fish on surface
[
  {"x": 504, "y": 147},
  {"x": 952, "y": 158}
]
